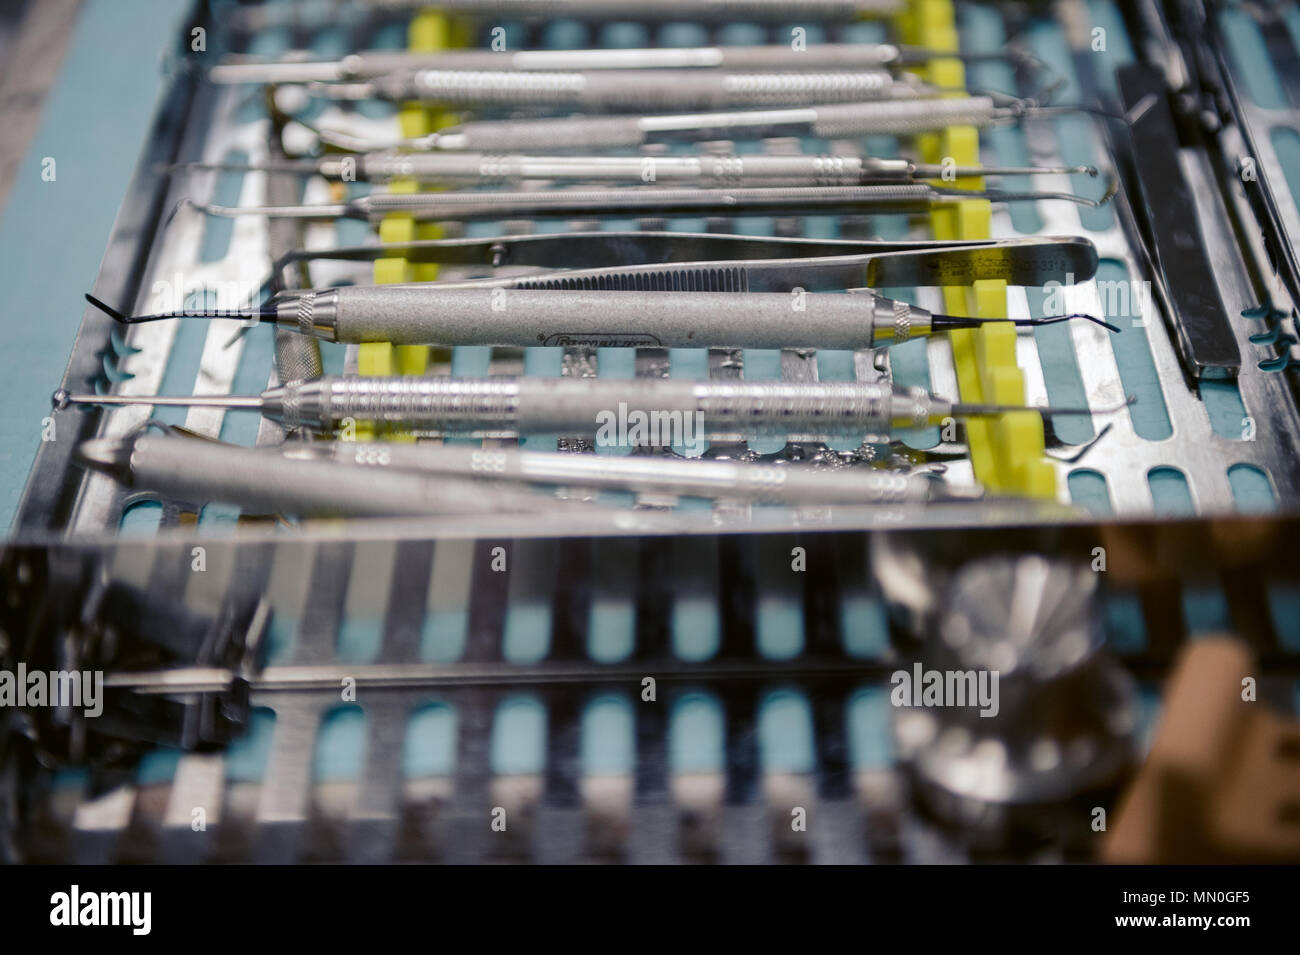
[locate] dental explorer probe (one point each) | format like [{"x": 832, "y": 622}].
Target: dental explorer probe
[
  {"x": 481, "y": 169},
  {"x": 864, "y": 411},
  {"x": 485, "y": 314},
  {"x": 642, "y": 201}
]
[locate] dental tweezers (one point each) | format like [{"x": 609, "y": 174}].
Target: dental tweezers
[{"x": 770, "y": 263}]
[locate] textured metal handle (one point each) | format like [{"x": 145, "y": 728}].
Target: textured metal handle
[
  {"x": 650, "y": 90},
  {"x": 796, "y": 408},
  {"x": 548, "y": 405},
  {"x": 542, "y": 135},
  {"x": 900, "y": 118},
  {"x": 422, "y": 403},
  {"x": 658, "y": 318},
  {"x": 297, "y": 357},
  {"x": 732, "y": 279},
  {"x": 709, "y": 170}
]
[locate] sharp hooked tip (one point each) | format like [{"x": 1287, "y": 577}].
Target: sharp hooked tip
[
  {"x": 247, "y": 314},
  {"x": 1128, "y": 400},
  {"x": 1054, "y": 319},
  {"x": 957, "y": 321},
  {"x": 1112, "y": 188},
  {"x": 108, "y": 310},
  {"x": 962, "y": 408}
]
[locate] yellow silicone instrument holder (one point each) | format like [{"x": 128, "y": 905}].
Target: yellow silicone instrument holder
[
  {"x": 1007, "y": 450},
  {"x": 429, "y": 30}
]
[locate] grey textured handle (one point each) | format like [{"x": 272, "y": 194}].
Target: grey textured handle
[
  {"x": 781, "y": 56},
  {"x": 844, "y": 121},
  {"x": 848, "y": 56},
  {"x": 268, "y": 481},
  {"x": 668, "y": 278},
  {"x": 426, "y": 314},
  {"x": 297, "y": 357},
  {"x": 763, "y": 483},
  {"x": 709, "y": 170},
  {"x": 562, "y": 405},
  {"x": 541, "y": 135},
  {"x": 648, "y": 90}
]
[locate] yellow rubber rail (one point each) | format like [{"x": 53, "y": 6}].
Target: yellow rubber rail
[
  {"x": 429, "y": 30},
  {"x": 1006, "y": 451}
]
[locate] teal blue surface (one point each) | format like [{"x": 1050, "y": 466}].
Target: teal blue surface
[
  {"x": 785, "y": 733},
  {"x": 53, "y": 234},
  {"x": 779, "y": 626},
  {"x": 1088, "y": 490},
  {"x": 697, "y": 630},
  {"x": 1250, "y": 56},
  {"x": 429, "y": 748},
  {"x": 1284, "y": 605},
  {"x": 1170, "y": 493},
  {"x": 518, "y": 736},
  {"x": 1251, "y": 489},
  {"x": 869, "y": 719},
  {"x": 247, "y": 757},
  {"x": 864, "y": 629},
  {"x": 1125, "y": 625},
  {"x": 1137, "y": 369},
  {"x": 359, "y": 639},
  {"x": 1205, "y": 609},
  {"x": 527, "y": 630},
  {"x": 443, "y": 635},
  {"x": 696, "y": 735},
  {"x": 157, "y": 766},
  {"x": 341, "y": 745},
  {"x": 608, "y": 735},
  {"x": 611, "y": 628}
]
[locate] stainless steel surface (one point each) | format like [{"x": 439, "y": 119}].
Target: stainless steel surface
[
  {"x": 657, "y": 201},
  {"x": 830, "y": 121},
  {"x": 1062, "y": 720},
  {"x": 865, "y": 411},
  {"x": 831, "y": 481},
  {"x": 710, "y": 169},
  {"x": 426, "y": 315},
  {"x": 371, "y": 63},
  {"x": 657, "y": 578},
  {"x": 265, "y": 481},
  {"x": 612, "y": 91}
]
